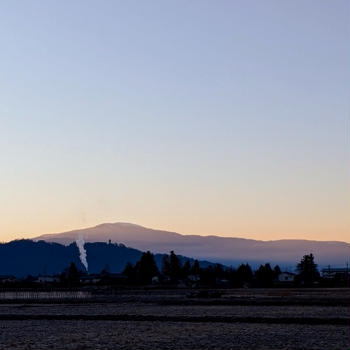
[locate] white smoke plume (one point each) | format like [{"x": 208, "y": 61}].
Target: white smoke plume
[{"x": 80, "y": 243}]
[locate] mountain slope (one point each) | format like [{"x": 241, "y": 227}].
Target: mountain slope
[
  {"x": 225, "y": 250},
  {"x": 25, "y": 257}
]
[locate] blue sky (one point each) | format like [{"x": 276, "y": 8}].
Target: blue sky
[{"x": 205, "y": 117}]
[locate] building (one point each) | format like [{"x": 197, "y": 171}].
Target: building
[
  {"x": 7, "y": 278},
  {"x": 286, "y": 277},
  {"x": 341, "y": 273},
  {"x": 47, "y": 279},
  {"x": 90, "y": 279}
]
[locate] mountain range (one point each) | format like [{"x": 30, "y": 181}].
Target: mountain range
[{"x": 225, "y": 250}]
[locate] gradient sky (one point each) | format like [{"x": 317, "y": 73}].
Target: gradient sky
[{"x": 202, "y": 117}]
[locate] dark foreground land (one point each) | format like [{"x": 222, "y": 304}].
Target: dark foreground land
[{"x": 154, "y": 319}]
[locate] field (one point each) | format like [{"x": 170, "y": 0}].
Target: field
[{"x": 176, "y": 319}]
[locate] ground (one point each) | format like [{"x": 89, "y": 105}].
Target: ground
[{"x": 168, "y": 319}]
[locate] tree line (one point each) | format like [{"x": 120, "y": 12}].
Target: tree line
[{"x": 173, "y": 272}]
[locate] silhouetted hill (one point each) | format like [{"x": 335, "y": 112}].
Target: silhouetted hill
[
  {"x": 225, "y": 250},
  {"x": 25, "y": 257}
]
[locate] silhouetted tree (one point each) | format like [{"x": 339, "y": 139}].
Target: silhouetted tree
[
  {"x": 186, "y": 269},
  {"x": 276, "y": 271},
  {"x": 264, "y": 276},
  {"x": 307, "y": 271},
  {"x": 130, "y": 273},
  {"x": 195, "y": 269},
  {"x": 70, "y": 276},
  {"x": 106, "y": 275},
  {"x": 165, "y": 265},
  {"x": 244, "y": 275},
  {"x": 106, "y": 270},
  {"x": 220, "y": 273},
  {"x": 232, "y": 277},
  {"x": 146, "y": 268},
  {"x": 173, "y": 269},
  {"x": 207, "y": 276}
]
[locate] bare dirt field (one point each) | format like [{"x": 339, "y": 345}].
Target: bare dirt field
[{"x": 168, "y": 319}]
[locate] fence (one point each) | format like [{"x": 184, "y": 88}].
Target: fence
[{"x": 14, "y": 295}]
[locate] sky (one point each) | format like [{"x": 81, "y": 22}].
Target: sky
[{"x": 201, "y": 117}]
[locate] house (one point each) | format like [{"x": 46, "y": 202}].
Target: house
[
  {"x": 342, "y": 273},
  {"x": 286, "y": 277},
  {"x": 194, "y": 278},
  {"x": 47, "y": 279},
  {"x": 112, "y": 278},
  {"x": 7, "y": 278},
  {"x": 117, "y": 277},
  {"x": 90, "y": 279},
  {"x": 222, "y": 282},
  {"x": 155, "y": 280}
]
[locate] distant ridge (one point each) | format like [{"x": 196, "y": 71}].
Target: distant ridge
[
  {"x": 34, "y": 258},
  {"x": 226, "y": 250}
]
